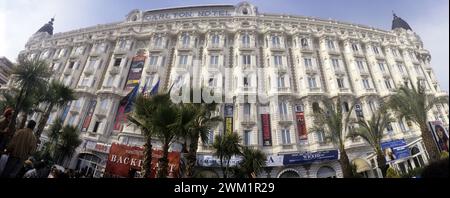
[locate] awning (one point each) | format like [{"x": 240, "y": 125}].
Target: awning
[{"x": 361, "y": 165}]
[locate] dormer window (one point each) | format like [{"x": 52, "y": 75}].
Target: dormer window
[{"x": 245, "y": 11}]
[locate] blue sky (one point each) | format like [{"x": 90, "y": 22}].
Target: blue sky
[{"x": 19, "y": 19}]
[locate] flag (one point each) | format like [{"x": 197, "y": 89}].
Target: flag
[
  {"x": 155, "y": 89},
  {"x": 144, "y": 89},
  {"x": 130, "y": 99},
  {"x": 125, "y": 107}
]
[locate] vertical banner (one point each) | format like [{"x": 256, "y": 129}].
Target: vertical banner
[
  {"x": 119, "y": 117},
  {"x": 123, "y": 160},
  {"x": 266, "y": 130},
  {"x": 301, "y": 125},
  {"x": 440, "y": 135},
  {"x": 134, "y": 75},
  {"x": 228, "y": 114},
  {"x": 90, "y": 112}
]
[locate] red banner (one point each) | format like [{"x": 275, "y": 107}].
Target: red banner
[
  {"x": 122, "y": 159},
  {"x": 301, "y": 126},
  {"x": 120, "y": 118},
  {"x": 266, "y": 130},
  {"x": 87, "y": 119}
]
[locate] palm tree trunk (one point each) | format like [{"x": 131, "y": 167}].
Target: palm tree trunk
[
  {"x": 430, "y": 144},
  {"x": 345, "y": 164},
  {"x": 191, "y": 159},
  {"x": 381, "y": 161},
  {"x": 18, "y": 106},
  {"x": 148, "y": 156},
  {"x": 23, "y": 120},
  {"x": 223, "y": 167},
  {"x": 164, "y": 162},
  {"x": 43, "y": 120}
]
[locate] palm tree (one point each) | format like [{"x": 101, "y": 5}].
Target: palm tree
[
  {"x": 28, "y": 106},
  {"x": 413, "y": 105},
  {"x": 333, "y": 122},
  {"x": 226, "y": 146},
  {"x": 6, "y": 101},
  {"x": 372, "y": 132},
  {"x": 69, "y": 141},
  {"x": 31, "y": 76},
  {"x": 141, "y": 118},
  {"x": 54, "y": 135},
  {"x": 253, "y": 162},
  {"x": 57, "y": 95}
]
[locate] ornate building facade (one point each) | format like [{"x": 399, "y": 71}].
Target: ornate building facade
[{"x": 294, "y": 61}]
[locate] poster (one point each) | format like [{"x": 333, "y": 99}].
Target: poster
[
  {"x": 266, "y": 130},
  {"x": 134, "y": 75},
  {"x": 214, "y": 161},
  {"x": 299, "y": 158},
  {"x": 301, "y": 126},
  {"x": 120, "y": 116},
  {"x": 87, "y": 119},
  {"x": 440, "y": 135},
  {"x": 228, "y": 114},
  {"x": 395, "y": 149},
  {"x": 122, "y": 159}
]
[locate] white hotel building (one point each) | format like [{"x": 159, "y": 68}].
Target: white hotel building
[{"x": 296, "y": 61}]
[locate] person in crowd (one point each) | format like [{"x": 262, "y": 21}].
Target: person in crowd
[
  {"x": 22, "y": 145},
  {"x": 35, "y": 172},
  {"x": 27, "y": 166},
  {"x": 4, "y": 132}
]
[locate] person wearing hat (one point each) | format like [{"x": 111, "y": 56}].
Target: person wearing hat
[
  {"x": 4, "y": 122},
  {"x": 22, "y": 145}
]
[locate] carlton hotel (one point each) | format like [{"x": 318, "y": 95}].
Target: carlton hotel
[{"x": 295, "y": 61}]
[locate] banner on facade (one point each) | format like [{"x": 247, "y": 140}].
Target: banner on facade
[
  {"x": 174, "y": 164},
  {"x": 228, "y": 114},
  {"x": 123, "y": 160},
  {"x": 65, "y": 111},
  {"x": 97, "y": 146},
  {"x": 88, "y": 118},
  {"x": 395, "y": 149},
  {"x": 358, "y": 110},
  {"x": 214, "y": 161},
  {"x": 266, "y": 130},
  {"x": 274, "y": 160},
  {"x": 301, "y": 125},
  {"x": 300, "y": 158},
  {"x": 134, "y": 75},
  {"x": 440, "y": 134}
]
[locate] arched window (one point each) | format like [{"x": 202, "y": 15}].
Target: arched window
[
  {"x": 246, "y": 39},
  {"x": 215, "y": 39},
  {"x": 245, "y": 11},
  {"x": 186, "y": 39},
  {"x": 304, "y": 42},
  {"x": 326, "y": 172},
  {"x": 289, "y": 174},
  {"x": 345, "y": 106}
]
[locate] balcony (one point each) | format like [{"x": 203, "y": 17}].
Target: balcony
[
  {"x": 101, "y": 112},
  {"x": 404, "y": 75},
  {"x": 85, "y": 89},
  {"x": 277, "y": 47},
  {"x": 307, "y": 49},
  {"x": 358, "y": 54},
  {"x": 247, "y": 89},
  {"x": 214, "y": 46},
  {"x": 398, "y": 58},
  {"x": 385, "y": 74},
  {"x": 280, "y": 69},
  {"x": 284, "y": 119},
  {"x": 283, "y": 90},
  {"x": 248, "y": 120},
  {"x": 88, "y": 71},
  {"x": 363, "y": 72},
  {"x": 114, "y": 70},
  {"x": 246, "y": 46},
  {"x": 379, "y": 56},
  {"x": 184, "y": 47},
  {"x": 110, "y": 90},
  {"x": 333, "y": 51},
  {"x": 121, "y": 50},
  {"x": 67, "y": 72},
  {"x": 339, "y": 72},
  {"x": 315, "y": 90},
  {"x": 151, "y": 69},
  {"x": 311, "y": 70},
  {"x": 75, "y": 109},
  {"x": 156, "y": 48}
]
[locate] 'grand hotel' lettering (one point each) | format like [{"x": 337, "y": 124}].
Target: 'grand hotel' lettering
[{"x": 188, "y": 14}]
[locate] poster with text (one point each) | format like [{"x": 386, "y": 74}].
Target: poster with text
[
  {"x": 88, "y": 118},
  {"x": 228, "y": 114},
  {"x": 301, "y": 126},
  {"x": 440, "y": 135},
  {"x": 123, "y": 160},
  {"x": 134, "y": 75},
  {"x": 173, "y": 169}
]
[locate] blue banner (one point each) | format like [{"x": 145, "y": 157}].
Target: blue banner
[
  {"x": 300, "y": 158},
  {"x": 395, "y": 149}
]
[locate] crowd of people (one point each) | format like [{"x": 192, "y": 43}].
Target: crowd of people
[{"x": 17, "y": 148}]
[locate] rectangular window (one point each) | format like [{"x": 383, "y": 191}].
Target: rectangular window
[
  {"x": 96, "y": 125},
  {"x": 355, "y": 48},
  {"x": 212, "y": 82},
  {"x": 400, "y": 68},
  {"x": 360, "y": 65},
  {"x": 92, "y": 63},
  {"x": 375, "y": 50},
  {"x": 85, "y": 82},
  {"x": 402, "y": 126},
  {"x": 110, "y": 81},
  {"x": 281, "y": 82},
  {"x": 103, "y": 104},
  {"x": 246, "y": 39},
  {"x": 246, "y": 59},
  {"x": 183, "y": 59},
  {"x": 285, "y": 136},
  {"x": 330, "y": 45},
  {"x": 366, "y": 83},
  {"x": 308, "y": 62},
  {"x": 320, "y": 136},
  {"x": 247, "y": 109},
  {"x": 335, "y": 63},
  {"x": 312, "y": 82},
  {"x": 304, "y": 42},
  {"x": 275, "y": 40},
  {"x": 394, "y": 52},
  {"x": 117, "y": 62},
  {"x": 388, "y": 84},
  {"x": 153, "y": 60},
  {"x": 277, "y": 60},
  {"x": 71, "y": 64},
  {"x": 282, "y": 107},
  {"x": 340, "y": 82},
  {"x": 381, "y": 66},
  {"x": 158, "y": 42},
  {"x": 215, "y": 39},
  {"x": 210, "y": 137},
  {"x": 247, "y": 137},
  {"x": 214, "y": 60},
  {"x": 246, "y": 82}
]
